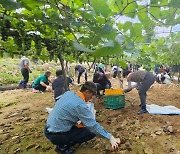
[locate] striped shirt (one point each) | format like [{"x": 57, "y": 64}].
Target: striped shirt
[{"x": 69, "y": 109}]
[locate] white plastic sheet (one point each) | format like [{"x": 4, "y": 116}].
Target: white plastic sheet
[{"x": 156, "y": 109}]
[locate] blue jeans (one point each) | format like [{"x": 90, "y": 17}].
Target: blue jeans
[{"x": 74, "y": 136}]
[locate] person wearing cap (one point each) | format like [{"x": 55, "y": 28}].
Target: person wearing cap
[
  {"x": 81, "y": 69},
  {"x": 61, "y": 127},
  {"x": 144, "y": 81},
  {"x": 101, "y": 68},
  {"x": 42, "y": 82}
]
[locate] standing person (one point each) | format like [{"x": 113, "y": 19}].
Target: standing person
[
  {"x": 58, "y": 84},
  {"x": 80, "y": 69},
  {"x": 101, "y": 81},
  {"x": 42, "y": 82},
  {"x": 144, "y": 81},
  {"x": 61, "y": 127},
  {"x": 24, "y": 65}
]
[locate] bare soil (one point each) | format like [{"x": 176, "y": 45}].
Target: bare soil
[{"x": 22, "y": 123}]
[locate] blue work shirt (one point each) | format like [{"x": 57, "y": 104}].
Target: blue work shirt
[{"x": 68, "y": 110}]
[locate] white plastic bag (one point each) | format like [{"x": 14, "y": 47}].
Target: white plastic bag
[
  {"x": 48, "y": 109},
  {"x": 91, "y": 108}
]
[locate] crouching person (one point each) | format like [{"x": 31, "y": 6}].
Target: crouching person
[
  {"x": 61, "y": 127},
  {"x": 42, "y": 82}
]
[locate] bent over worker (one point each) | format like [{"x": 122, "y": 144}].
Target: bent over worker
[
  {"x": 144, "y": 81},
  {"x": 61, "y": 127},
  {"x": 81, "y": 69}
]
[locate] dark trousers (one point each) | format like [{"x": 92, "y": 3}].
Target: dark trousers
[
  {"x": 115, "y": 74},
  {"x": 101, "y": 87},
  {"x": 25, "y": 74},
  {"x": 79, "y": 76},
  {"x": 70, "y": 138},
  {"x": 41, "y": 88},
  {"x": 143, "y": 88}
]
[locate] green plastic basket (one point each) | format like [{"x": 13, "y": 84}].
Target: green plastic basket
[{"x": 114, "y": 101}]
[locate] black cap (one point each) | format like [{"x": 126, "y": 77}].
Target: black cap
[{"x": 91, "y": 86}]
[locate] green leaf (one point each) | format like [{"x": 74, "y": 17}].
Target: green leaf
[
  {"x": 106, "y": 32},
  {"x": 94, "y": 40},
  {"x": 101, "y": 20},
  {"x": 120, "y": 26},
  {"x": 65, "y": 2},
  {"x": 154, "y": 1},
  {"x": 131, "y": 10},
  {"x": 164, "y": 14},
  {"x": 101, "y": 7},
  {"x": 155, "y": 11},
  {"x": 145, "y": 20},
  {"x": 106, "y": 51},
  {"x": 88, "y": 15},
  {"x": 122, "y": 64},
  {"x": 80, "y": 47},
  {"x": 127, "y": 26},
  {"x": 132, "y": 33},
  {"x": 163, "y": 2},
  {"x": 31, "y": 4},
  {"x": 10, "y": 4},
  {"x": 79, "y": 3},
  {"x": 174, "y": 3},
  {"x": 138, "y": 29}
]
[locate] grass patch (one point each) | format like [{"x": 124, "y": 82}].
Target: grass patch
[{"x": 5, "y": 104}]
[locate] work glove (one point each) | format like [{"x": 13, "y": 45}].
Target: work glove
[
  {"x": 114, "y": 143},
  {"x": 48, "y": 88}
]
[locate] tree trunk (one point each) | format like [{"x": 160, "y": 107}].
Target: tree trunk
[
  {"x": 64, "y": 72},
  {"x": 92, "y": 63},
  {"x": 11, "y": 87}
]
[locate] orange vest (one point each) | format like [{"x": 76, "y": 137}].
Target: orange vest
[{"x": 81, "y": 95}]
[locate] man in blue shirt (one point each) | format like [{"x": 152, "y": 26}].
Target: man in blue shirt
[{"x": 61, "y": 127}]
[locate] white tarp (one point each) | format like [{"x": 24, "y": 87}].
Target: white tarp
[{"x": 156, "y": 109}]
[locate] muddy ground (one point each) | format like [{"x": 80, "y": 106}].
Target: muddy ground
[{"x": 22, "y": 123}]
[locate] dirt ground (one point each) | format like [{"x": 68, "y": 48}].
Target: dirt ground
[{"x": 22, "y": 123}]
